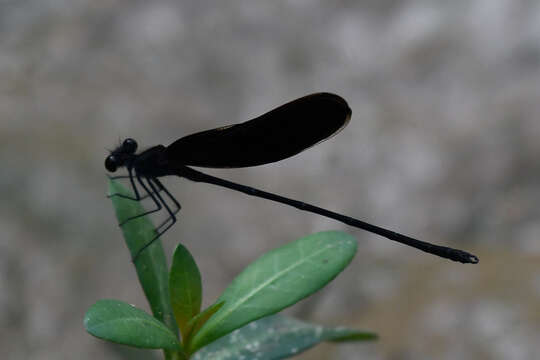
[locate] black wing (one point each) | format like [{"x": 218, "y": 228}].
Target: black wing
[{"x": 276, "y": 135}]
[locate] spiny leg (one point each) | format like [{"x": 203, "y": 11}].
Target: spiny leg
[
  {"x": 172, "y": 217},
  {"x": 160, "y": 188},
  {"x": 172, "y": 198},
  {"x": 155, "y": 199},
  {"x": 135, "y": 190}
]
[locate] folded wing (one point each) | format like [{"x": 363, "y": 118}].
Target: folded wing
[{"x": 276, "y": 135}]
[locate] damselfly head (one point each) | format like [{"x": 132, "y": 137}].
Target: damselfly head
[{"x": 118, "y": 156}]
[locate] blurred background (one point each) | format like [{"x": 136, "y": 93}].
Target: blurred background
[{"x": 443, "y": 145}]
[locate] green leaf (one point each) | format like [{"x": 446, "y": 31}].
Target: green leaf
[
  {"x": 123, "y": 323},
  {"x": 186, "y": 288},
  {"x": 275, "y": 337},
  {"x": 277, "y": 280},
  {"x": 150, "y": 265}
]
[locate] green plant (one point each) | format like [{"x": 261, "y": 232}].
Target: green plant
[{"x": 241, "y": 323}]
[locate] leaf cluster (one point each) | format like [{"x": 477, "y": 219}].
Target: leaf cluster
[{"x": 242, "y": 322}]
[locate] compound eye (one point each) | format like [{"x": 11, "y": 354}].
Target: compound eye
[
  {"x": 130, "y": 146},
  {"x": 110, "y": 163}
]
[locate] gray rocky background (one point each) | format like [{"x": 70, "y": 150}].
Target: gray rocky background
[{"x": 443, "y": 145}]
